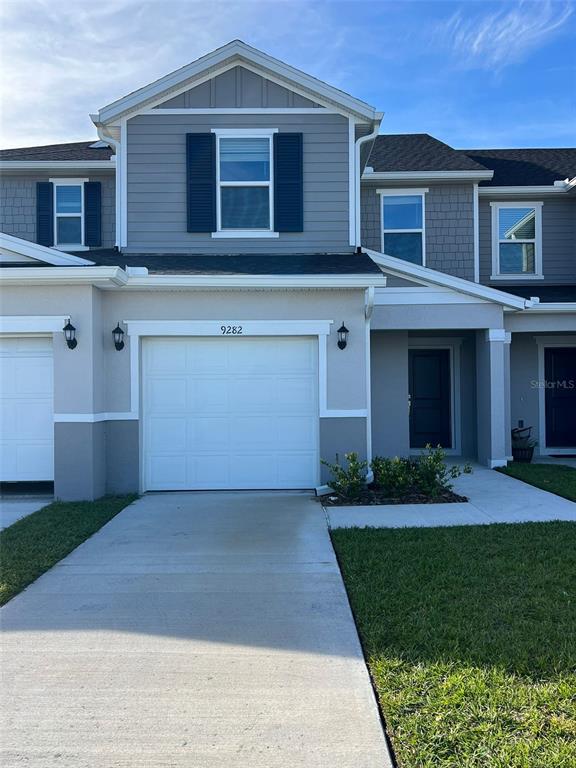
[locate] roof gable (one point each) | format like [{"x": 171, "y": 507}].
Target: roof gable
[
  {"x": 228, "y": 56},
  {"x": 15, "y": 251}
]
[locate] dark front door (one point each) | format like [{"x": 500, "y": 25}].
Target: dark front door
[
  {"x": 429, "y": 383},
  {"x": 560, "y": 375}
]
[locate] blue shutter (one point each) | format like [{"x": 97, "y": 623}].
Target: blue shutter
[
  {"x": 93, "y": 213},
  {"x": 45, "y": 213},
  {"x": 201, "y": 181},
  {"x": 288, "y": 183}
]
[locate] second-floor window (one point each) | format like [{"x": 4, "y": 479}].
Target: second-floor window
[
  {"x": 403, "y": 224},
  {"x": 516, "y": 240},
  {"x": 68, "y": 213},
  {"x": 244, "y": 179}
]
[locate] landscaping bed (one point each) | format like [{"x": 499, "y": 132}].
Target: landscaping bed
[
  {"x": 375, "y": 497},
  {"x": 34, "y": 544},
  {"x": 470, "y": 638}
]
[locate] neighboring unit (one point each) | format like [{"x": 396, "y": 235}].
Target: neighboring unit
[{"x": 233, "y": 222}]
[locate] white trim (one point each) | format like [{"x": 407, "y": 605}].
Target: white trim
[
  {"x": 496, "y": 241},
  {"x": 245, "y": 234},
  {"x": 93, "y": 418},
  {"x": 212, "y": 327},
  {"x": 396, "y": 191},
  {"x": 102, "y": 276},
  {"x": 544, "y": 342},
  {"x": 33, "y": 323},
  {"x": 55, "y": 165},
  {"x": 527, "y": 190},
  {"x": 453, "y": 346},
  {"x": 53, "y": 256},
  {"x": 335, "y": 413},
  {"x": 429, "y": 276},
  {"x": 357, "y": 186},
  {"x": 233, "y": 54},
  {"x": 421, "y": 193},
  {"x": 427, "y": 295},
  {"x": 352, "y": 181},
  {"x": 238, "y": 110},
  {"x": 244, "y": 132},
  {"x": 249, "y": 282},
  {"x": 123, "y": 184},
  {"x": 560, "y": 306},
  {"x": 476, "y": 217},
  {"x": 427, "y": 175},
  {"x": 68, "y": 182}
]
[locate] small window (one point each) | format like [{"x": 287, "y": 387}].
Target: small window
[
  {"x": 516, "y": 240},
  {"x": 68, "y": 214},
  {"x": 403, "y": 225},
  {"x": 244, "y": 179}
]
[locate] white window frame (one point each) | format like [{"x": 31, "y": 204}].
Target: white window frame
[
  {"x": 537, "y": 240},
  {"x": 69, "y": 183},
  {"x": 248, "y": 133},
  {"x": 391, "y": 192}
]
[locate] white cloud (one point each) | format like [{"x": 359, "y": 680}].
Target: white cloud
[{"x": 505, "y": 36}]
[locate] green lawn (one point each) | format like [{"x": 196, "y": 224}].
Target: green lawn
[
  {"x": 555, "y": 478},
  {"x": 470, "y": 636},
  {"x": 34, "y": 544}
]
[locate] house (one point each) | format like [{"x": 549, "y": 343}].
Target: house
[{"x": 241, "y": 277}]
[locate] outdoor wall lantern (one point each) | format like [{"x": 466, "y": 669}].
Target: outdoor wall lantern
[
  {"x": 118, "y": 335},
  {"x": 342, "y": 336},
  {"x": 70, "y": 335}
]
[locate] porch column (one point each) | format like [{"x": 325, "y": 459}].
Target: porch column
[{"x": 493, "y": 399}]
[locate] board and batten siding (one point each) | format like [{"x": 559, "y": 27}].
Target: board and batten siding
[
  {"x": 18, "y": 203},
  {"x": 156, "y": 184},
  {"x": 449, "y": 225},
  {"x": 558, "y": 240}
]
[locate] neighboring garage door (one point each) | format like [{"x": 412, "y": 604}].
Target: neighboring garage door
[
  {"x": 230, "y": 413},
  {"x": 26, "y": 409}
]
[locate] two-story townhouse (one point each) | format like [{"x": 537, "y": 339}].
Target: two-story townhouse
[{"x": 240, "y": 278}]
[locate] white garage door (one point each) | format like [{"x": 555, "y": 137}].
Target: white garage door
[
  {"x": 230, "y": 413},
  {"x": 26, "y": 409}
]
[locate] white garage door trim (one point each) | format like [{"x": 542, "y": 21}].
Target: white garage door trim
[
  {"x": 27, "y": 408},
  {"x": 230, "y": 413}
]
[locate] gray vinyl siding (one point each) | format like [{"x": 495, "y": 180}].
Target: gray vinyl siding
[
  {"x": 157, "y": 184},
  {"x": 18, "y": 203},
  {"x": 558, "y": 240},
  {"x": 449, "y": 226},
  {"x": 238, "y": 87}
]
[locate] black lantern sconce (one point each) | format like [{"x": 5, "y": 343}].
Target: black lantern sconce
[
  {"x": 70, "y": 335},
  {"x": 342, "y": 336},
  {"x": 118, "y": 335}
]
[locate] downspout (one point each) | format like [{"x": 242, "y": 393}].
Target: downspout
[
  {"x": 104, "y": 136},
  {"x": 358, "y": 144}
]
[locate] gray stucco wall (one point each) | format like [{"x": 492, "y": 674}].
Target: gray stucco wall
[
  {"x": 558, "y": 240},
  {"x": 449, "y": 226},
  {"x": 18, "y": 203},
  {"x": 238, "y": 87},
  {"x": 339, "y": 436},
  {"x": 157, "y": 184}
]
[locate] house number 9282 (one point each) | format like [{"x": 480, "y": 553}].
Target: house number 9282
[{"x": 231, "y": 330}]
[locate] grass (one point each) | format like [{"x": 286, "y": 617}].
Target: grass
[
  {"x": 556, "y": 478},
  {"x": 470, "y": 637},
  {"x": 34, "y": 544}
]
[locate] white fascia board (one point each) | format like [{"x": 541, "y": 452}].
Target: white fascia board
[
  {"x": 101, "y": 276},
  {"x": 428, "y": 176},
  {"x": 549, "y": 189},
  {"x": 57, "y": 165},
  {"x": 40, "y": 252},
  {"x": 234, "y": 52},
  {"x": 250, "y": 282},
  {"x": 560, "y": 306},
  {"x": 429, "y": 276}
]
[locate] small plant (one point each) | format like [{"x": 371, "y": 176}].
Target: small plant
[
  {"x": 392, "y": 476},
  {"x": 348, "y": 482},
  {"x": 432, "y": 475}
]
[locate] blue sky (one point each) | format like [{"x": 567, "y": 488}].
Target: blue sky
[{"x": 474, "y": 74}]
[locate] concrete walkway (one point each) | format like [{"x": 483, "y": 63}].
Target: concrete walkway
[
  {"x": 13, "y": 509},
  {"x": 197, "y": 630},
  {"x": 493, "y": 498}
]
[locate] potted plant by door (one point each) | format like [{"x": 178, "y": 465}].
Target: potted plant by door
[{"x": 522, "y": 444}]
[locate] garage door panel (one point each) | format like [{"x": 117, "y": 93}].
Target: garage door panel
[
  {"x": 250, "y": 406},
  {"x": 26, "y": 409},
  {"x": 166, "y": 431}
]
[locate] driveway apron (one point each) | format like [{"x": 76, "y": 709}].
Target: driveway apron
[{"x": 206, "y": 630}]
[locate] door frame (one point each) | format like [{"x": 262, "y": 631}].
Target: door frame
[
  {"x": 548, "y": 342},
  {"x": 453, "y": 346}
]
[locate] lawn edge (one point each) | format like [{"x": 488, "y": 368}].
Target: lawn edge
[{"x": 502, "y": 471}]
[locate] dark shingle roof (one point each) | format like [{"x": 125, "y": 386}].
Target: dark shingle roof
[
  {"x": 546, "y": 293},
  {"x": 242, "y": 264},
  {"x": 417, "y": 152},
  {"x": 525, "y": 167},
  {"x": 78, "y": 150}
]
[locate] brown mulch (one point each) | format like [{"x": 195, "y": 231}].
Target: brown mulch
[{"x": 373, "y": 497}]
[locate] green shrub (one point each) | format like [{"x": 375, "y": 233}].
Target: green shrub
[
  {"x": 393, "y": 476},
  {"x": 432, "y": 475},
  {"x": 348, "y": 482}
]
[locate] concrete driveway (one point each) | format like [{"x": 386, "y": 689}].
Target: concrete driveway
[{"x": 198, "y": 630}]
